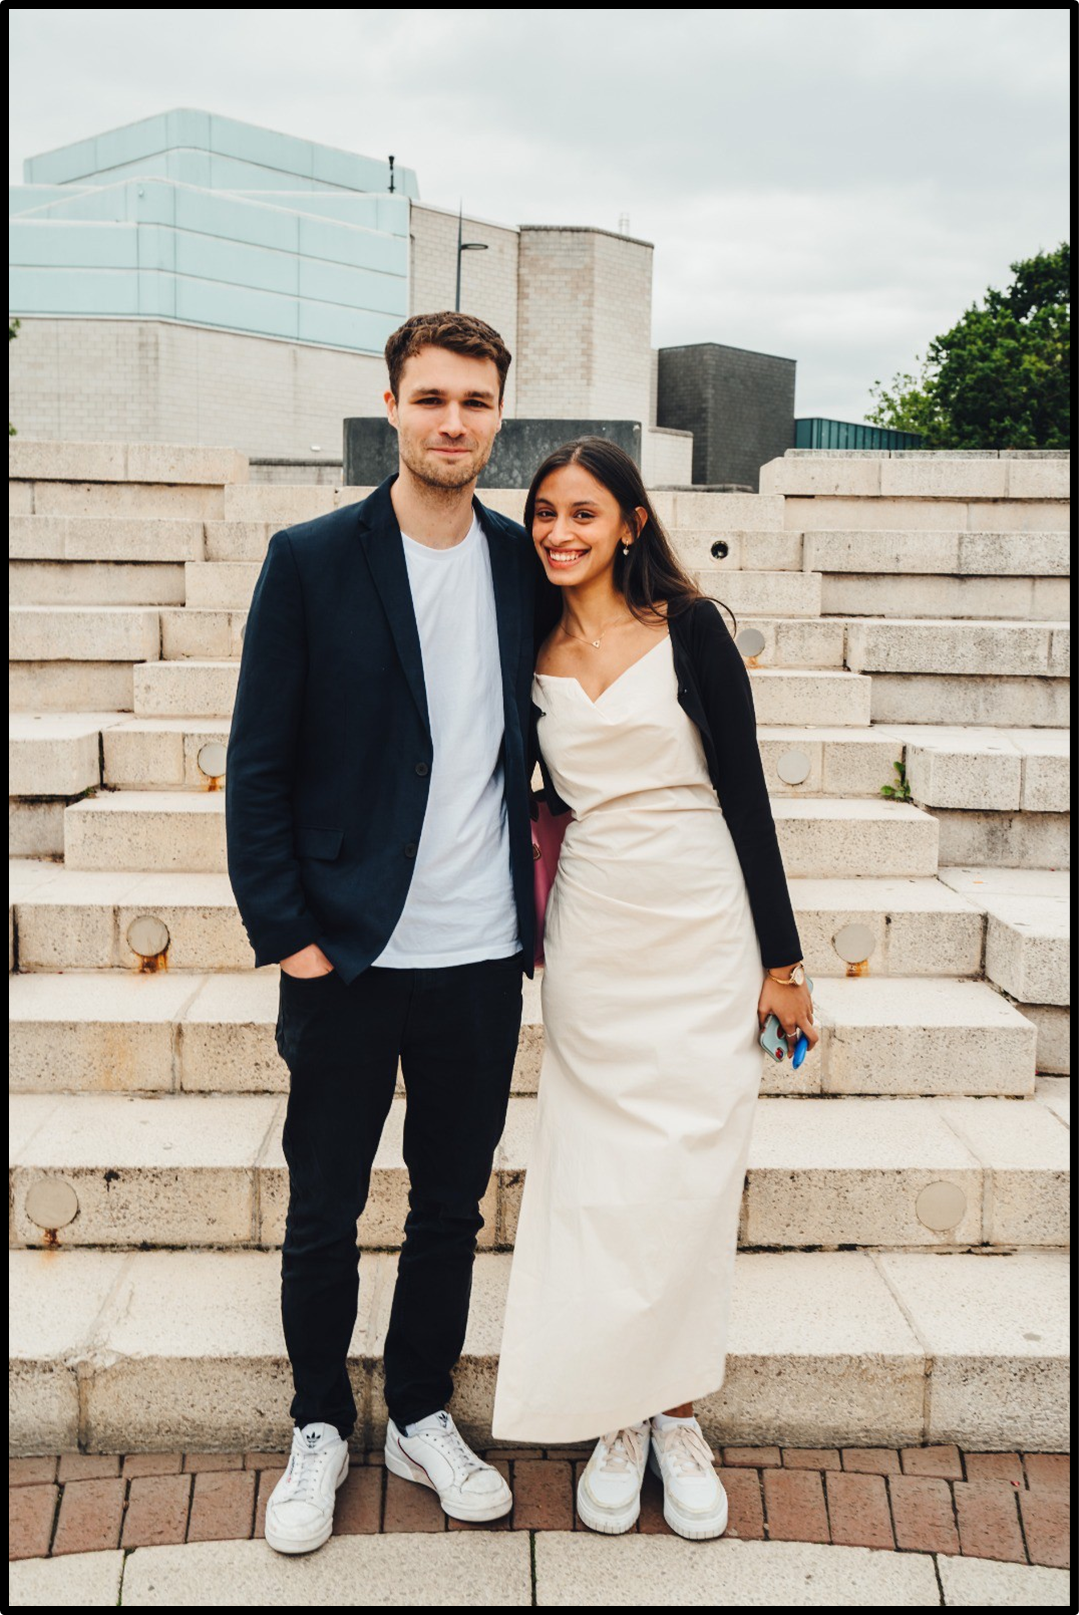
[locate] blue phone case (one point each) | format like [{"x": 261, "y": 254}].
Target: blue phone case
[{"x": 774, "y": 1042}]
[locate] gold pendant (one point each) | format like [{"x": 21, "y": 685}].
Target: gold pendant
[{"x": 596, "y": 643}]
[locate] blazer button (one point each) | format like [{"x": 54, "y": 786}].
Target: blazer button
[
  {"x": 410, "y": 849},
  {"x": 422, "y": 769}
]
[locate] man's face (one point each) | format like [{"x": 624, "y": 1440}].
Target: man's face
[{"x": 447, "y": 416}]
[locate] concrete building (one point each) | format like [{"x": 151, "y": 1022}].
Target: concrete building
[{"x": 194, "y": 279}]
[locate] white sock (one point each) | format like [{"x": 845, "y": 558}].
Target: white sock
[{"x": 667, "y": 1421}]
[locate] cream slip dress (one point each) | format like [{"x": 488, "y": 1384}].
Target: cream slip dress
[{"x": 620, "y": 1283}]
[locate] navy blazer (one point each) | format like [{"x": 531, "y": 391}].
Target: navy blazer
[{"x": 330, "y": 757}]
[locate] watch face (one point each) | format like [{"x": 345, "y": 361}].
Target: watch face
[{"x": 798, "y": 976}]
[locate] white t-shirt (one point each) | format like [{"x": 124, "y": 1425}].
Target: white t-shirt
[{"x": 460, "y": 905}]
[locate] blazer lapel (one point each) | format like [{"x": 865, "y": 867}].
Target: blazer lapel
[
  {"x": 504, "y": 577},
  {"x": 380, "y": 536}
]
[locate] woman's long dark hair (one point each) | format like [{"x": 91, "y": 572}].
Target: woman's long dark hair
[{"x": 651, "y": 573}]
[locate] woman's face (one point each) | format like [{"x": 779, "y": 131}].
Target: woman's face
[{"x": 577, "y": 526}]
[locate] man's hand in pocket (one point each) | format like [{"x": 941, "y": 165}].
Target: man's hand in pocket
[{"x": 310, "y": 961}]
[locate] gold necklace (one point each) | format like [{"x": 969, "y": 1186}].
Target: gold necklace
[{"x": 594, "y": 642}]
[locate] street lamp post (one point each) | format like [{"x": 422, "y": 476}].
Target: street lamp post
[{"x": 464, "y": 246}]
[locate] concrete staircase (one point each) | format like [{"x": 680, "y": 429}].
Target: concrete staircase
[{"x": 903, "y": 1242}]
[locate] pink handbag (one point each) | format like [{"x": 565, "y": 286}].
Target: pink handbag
[{"x": 547, "y": 832}]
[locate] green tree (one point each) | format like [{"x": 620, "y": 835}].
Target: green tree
[
  {"x": 12, "y": 332},
  {"x": 1000, "y": 378}
]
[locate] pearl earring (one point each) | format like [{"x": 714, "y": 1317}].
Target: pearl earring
[{"x": 625, "y": 549}]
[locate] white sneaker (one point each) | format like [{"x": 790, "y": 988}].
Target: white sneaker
[
  {"x": 299, "y": 1514},
  {"x": 609, "y": 1490},
  {"x": 436, "y": 1455},
  {"x": 694, "y": 1502}
]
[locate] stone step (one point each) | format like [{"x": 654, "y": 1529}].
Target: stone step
[
  {"x": 238, "y": 541},
  {"x": 44, "y": 460},
  {"x": 938, "y": 646},
  {"x": 220, "y": 585},
  {"x": 862, "y": 594},
  {"x": 1007, "y": 554},
  {"x": 84, "y": 634},
  {"x": 190, "y": 1170},
  {"x": 797, "y": 696},
  {"x": 79, "y": 920},
  {"x": 56, "y": 753},
  {"x": 818, "y": 836},
  {"x": 110, "y": 1348},
  {"x": 177, "y": 1031},
  {"x": 706, "y": 549},
  {"x": 190, "y": 633},
  {"x": 123, "y": 539},
  {"x": 793, "y": 594},
  {"x": 822, "y": 837},
  {"x": 1001, "y": 769},
  {"x": 175, "y": 689},
  {"x": 198, "y": 688},
  {"x": 93, "y": 583},
  {"x": 975, "y": 700},
  {"x": 147, "y": 830},
  {"x": 106, "y": 501},
  {"x": 71, "y": 686},
  {"x": 902, "y": 513},
  {"x": 1027, "y": 940},
  {"x": 1010, "y": 841},
  {"x": 917, "y": 475}
]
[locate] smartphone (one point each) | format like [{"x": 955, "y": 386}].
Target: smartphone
[{"x": 773, "y": 1039}]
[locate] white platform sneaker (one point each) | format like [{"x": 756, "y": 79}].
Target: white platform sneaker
[
  {"x": 694, "y": 1502},
  {"x": 437, "y": 1455},
  {"x": 299, "y": 1514},
  {"x": 609, "y": 1490}
]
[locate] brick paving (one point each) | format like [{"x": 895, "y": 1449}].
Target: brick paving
[{"x": 1001, "y": 1505}]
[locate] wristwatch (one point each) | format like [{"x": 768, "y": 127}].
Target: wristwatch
[{"x": 795, "y": 979}]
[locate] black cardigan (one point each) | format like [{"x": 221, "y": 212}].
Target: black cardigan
[{"x": 714, "y": 691}]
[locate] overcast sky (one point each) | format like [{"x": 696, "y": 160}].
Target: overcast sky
[{"x": 832, "y": 186}]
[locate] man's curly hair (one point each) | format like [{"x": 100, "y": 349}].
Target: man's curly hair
[{"x": 460, "y": 333}]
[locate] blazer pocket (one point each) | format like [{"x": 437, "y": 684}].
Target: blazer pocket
[{"x": 314, "y": 842}]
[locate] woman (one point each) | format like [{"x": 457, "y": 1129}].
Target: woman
[{"x": 668, "y": 926}]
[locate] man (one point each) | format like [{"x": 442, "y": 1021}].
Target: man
[{"x": 379, "y": 849}]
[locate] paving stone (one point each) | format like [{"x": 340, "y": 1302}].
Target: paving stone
[
  {"x": 267, "y": 1480},
  {"x": 924, "y": 1514},
  {"x": 358, "y": 1510},
  {"x": 942, "y": 1462},
  {"x": 79, "y": 1581},
  {"x": 988, "y": 1516},
  {"x": 811, "y": 1458},
  {"x": 88, "y": 1465},
  {"x": 152, "y": 1463},
  {"x": 1052, "y": 1469},
  {"x": 745, "y": 1505},
  {"x": 542, "y": 1495},
  {"x": 994, "y": 1466},
  {"x": 410, "y": 1507},
  {"x": 454, "y": 1569},
  {"x": 267, "y": 1460},
  {"x": 502, "y": 1524},
  {"x": 30, "y": 1471},
  {"x": 157, "y": 1510},
  {"x": 752, "y": 1457},
  {"x": 650, "y": 1520},
  {"x": 858, "y": 1511},
  {"x": 1046, "y": 1519},
  {"x": 794, "y": 1505},
  {"x": 871, "y": 1460},
  {"x": 31, "y": 1510},
  {"x": 223, "y": 1506},
  {"x": 91, "y": 1513},
  {"x": 980, "y": 1583},
  {"x": 195, "y": 1462}
]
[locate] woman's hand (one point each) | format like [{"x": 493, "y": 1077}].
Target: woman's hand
[{"x": 792, "y": 1007}]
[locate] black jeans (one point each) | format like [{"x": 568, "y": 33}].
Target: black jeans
[{"x": 455, "y": 1031}]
